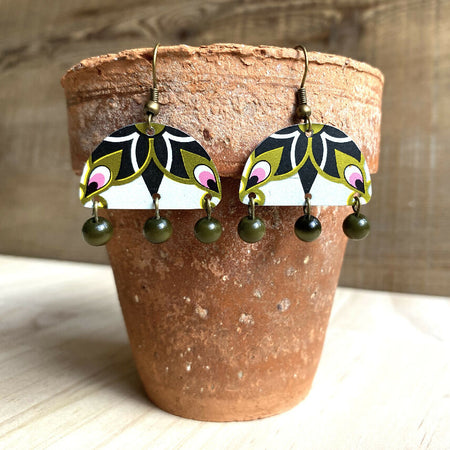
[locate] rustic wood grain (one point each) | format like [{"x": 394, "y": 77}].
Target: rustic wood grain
[
  {"x": 409, "y": 249},
  {"x": 67, "y": 378}
]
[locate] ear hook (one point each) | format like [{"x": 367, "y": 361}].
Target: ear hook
[
  {"x": 303, "y": 110},
  {"x": 151, "y": 108},
  {"x": 155, "y": 53},
  {"x": 306, "y": 64}
]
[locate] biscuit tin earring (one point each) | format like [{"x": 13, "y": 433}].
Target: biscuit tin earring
[
  {"x": 308, "y": 165},
  {"x": 149, "y": 165}
]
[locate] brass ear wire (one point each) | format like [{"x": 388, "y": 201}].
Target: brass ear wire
[
  {"x": 305, "y": 72},
  {"x": 155, "y": 53},
  {"x": 151, "y": 108},
  {"x": 303, "y": 110}
]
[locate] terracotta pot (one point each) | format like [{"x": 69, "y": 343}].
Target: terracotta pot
[{"x": 228, "y": 331}]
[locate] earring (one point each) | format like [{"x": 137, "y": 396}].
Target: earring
[
  {"x": 151, "y": 166},
  {"x": 304, "y": 165}
]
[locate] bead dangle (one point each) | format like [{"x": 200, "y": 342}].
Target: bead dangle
[
  {"x": 356, "y": 226},
  {"x": 208, "y": 229},
  {"x": 97, "y": 230},
  {"x": 307, "y": 228},
  {"x": 251, "y": 229},
  {"x": 157, "y": 229}
]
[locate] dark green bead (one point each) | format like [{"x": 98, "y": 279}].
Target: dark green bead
[
  {"x": 251, "y": 230},
  {"x": 97, "y": 233},
  {"x": 208, "y": 230},
  {"x": 356, "y": 226},
  {"x": 157, "y": 230},
  {"x": 307, "y": 228}
]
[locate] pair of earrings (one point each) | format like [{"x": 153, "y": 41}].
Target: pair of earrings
[{"x": 149, "y": 165}]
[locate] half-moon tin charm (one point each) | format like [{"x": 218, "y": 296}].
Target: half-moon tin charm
[
  {"x": 130, "y": 166},
  {"x": 291, "y": 163}
]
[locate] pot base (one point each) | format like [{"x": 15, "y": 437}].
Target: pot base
[{"x": 213, "y": 409}]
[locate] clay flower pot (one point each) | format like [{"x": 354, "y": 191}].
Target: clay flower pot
[{"x": 225, "y": 331}]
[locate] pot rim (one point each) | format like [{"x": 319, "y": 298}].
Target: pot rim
[{"x": 183, "y": 50}]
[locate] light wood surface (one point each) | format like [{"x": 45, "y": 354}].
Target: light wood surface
[
  {"x": 408, "y": 40},
  {"x": 68, "y": 380}
]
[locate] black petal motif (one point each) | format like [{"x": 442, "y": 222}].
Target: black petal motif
[
  {"x": 152, "y": 177},
  {"x": 307, "y": 175}
]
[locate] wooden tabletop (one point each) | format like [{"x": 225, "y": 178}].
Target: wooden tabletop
[{"x": 67, "y": 378}]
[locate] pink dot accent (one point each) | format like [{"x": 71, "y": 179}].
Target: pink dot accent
[
  {"x": 259, "y": 173},
  {"x": 354, "y": 177},
  {"x": 204, "y": 177},
  {"x": 99, "y": 179}
]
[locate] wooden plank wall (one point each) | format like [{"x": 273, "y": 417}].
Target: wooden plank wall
[{"x": 409, "y": 40}]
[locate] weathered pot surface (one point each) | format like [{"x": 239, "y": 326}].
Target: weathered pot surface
[{"x": 225, "y": 331}]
